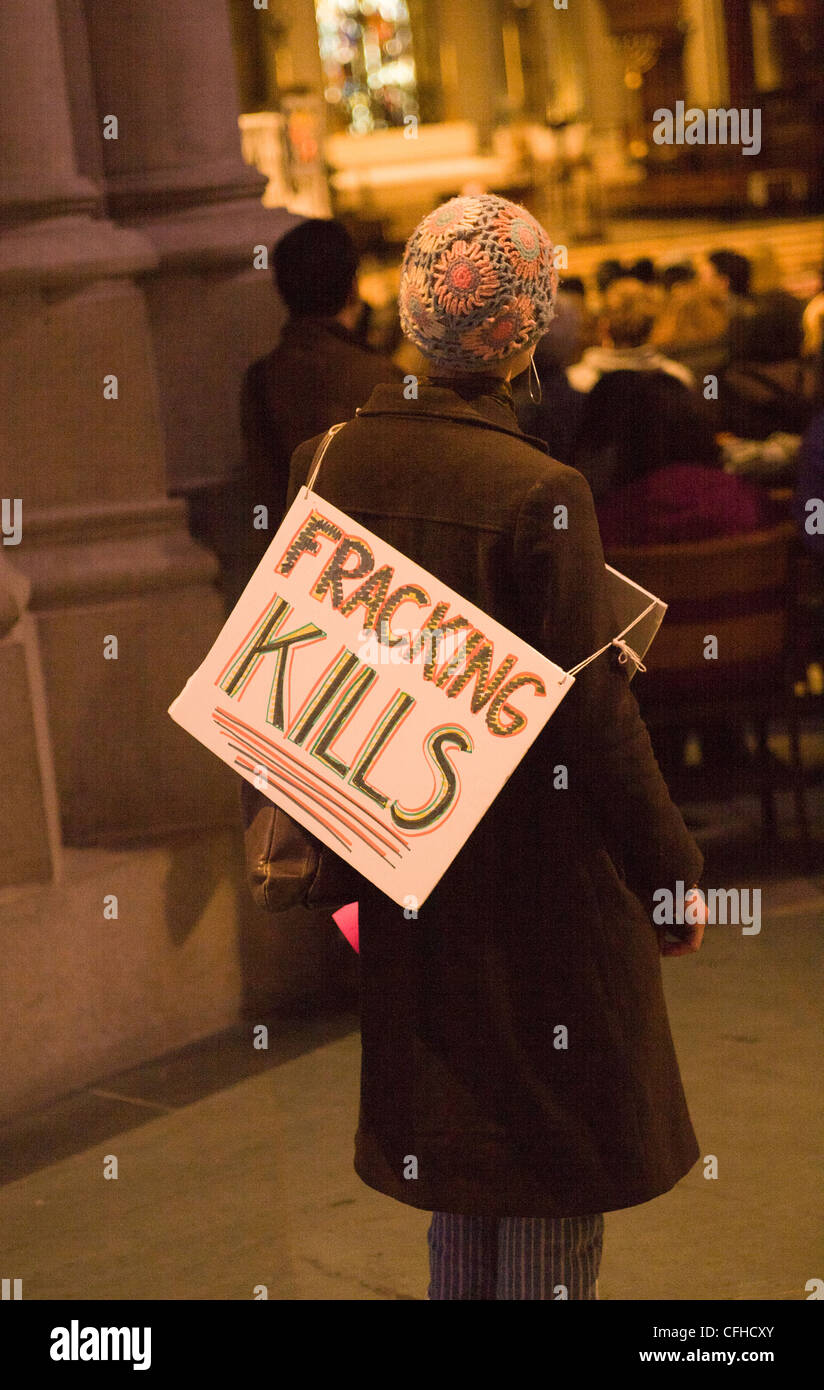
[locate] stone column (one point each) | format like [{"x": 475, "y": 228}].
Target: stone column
[
  {"x": 106, "y": 552},
  {"x": 45, "y": 204},
  {"x": 303, "y": 67},
  {"x": 175, "y": 172},
  {"x": 472, "y": 62},
  {"x": 29, "y": 823},
  {"x": 166, "y": 72},
  {"x": 610, "y": 107},
  {"x": 38, "y": 177},
  {"x": 607, "y": 96},
  {"x": 705, "y": 53},
  {"x": 561, "y": 54}
]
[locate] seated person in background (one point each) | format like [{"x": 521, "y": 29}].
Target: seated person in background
[
  {"x": 812, "y": 351},
  {"x": 555, "y": 418},
  {"x": 693, "y": 326},
  {"x": 729, "y": 274},
  {"x": 678, "y": 272},
  {"x": 628, "y": 313},
  {"x": 606, "y": 272},
  {"x": 665, "y": 486},
  {"x": 573, "y": 285},
  {"x": 647, "y": 448},
  {"x": 611, "y": 270},
  {"x": 766, "y": 386},
  {"x": 643, "y": 270}
]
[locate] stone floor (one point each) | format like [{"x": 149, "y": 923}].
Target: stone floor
[{"x": 234, "y": 1165}]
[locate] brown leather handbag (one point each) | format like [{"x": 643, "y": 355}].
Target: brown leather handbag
[
  {"x": 286, "y": 867},
  {"x": 282, "y": 859}
]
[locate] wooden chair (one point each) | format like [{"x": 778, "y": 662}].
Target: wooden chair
[{"x": 741, "y": 591}]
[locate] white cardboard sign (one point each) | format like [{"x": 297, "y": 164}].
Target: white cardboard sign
[{"x": 370, "y": 701}]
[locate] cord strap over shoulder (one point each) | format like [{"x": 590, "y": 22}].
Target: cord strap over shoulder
[
  {"x": 314, "y": 467},
  {"x": 623, "y": 647}
]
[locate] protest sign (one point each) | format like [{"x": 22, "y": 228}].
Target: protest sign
[{"x": 376, "y": 706}]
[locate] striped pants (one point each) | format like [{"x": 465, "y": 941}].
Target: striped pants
[{"x": 514, "y": 1257}]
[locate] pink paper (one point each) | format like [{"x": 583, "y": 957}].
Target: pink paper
[{"x": 346, "y": 918}]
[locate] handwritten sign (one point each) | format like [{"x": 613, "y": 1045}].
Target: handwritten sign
[{"x": 370, "y": 701}]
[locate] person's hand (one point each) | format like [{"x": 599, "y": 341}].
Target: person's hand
[{"x": 686, "y": 939}]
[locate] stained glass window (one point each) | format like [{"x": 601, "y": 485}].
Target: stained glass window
[{"x": 368, "y": 65}]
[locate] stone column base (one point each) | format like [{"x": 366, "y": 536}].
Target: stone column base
[
  {"x": 187, "y": 955},
  {"x": 130, "y": 572}
]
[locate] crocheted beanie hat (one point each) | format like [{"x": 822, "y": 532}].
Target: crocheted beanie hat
[{"x": 478, "y": 283}]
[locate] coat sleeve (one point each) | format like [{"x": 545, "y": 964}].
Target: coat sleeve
[{"x": 597, "y": 731}]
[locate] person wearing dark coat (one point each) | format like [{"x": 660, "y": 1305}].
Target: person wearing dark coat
[
  {"x": 515, "y": 1040},
  {"x": 766, "y": 386},
  {"x": 646, "y": 446},
  {"x": 319, "y": 373},
  {"x": 555, "y": 414}
]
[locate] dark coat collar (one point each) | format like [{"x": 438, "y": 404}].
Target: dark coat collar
[
  {"x": 310, "y": 328},
  {"x": 482, "y": 401}
]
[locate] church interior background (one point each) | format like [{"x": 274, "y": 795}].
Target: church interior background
[{"x": 127, "y": 926}]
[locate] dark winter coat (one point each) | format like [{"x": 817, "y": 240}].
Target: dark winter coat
[
  {"x": 317, "y": 375},
  {"x": 515, "y": 1037}
]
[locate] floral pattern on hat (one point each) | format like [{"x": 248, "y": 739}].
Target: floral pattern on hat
[
  {"x": 478, "y": 282},
  {"x": 504, "y": 333},
  {"x": 525, "y": 243},
  {"x": 451, "y": 219},
  {"x": 416, "y": 304},
  {"x": 464, "y": 278}
]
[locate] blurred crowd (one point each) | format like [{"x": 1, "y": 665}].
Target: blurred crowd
[
  {"x": 690, "y": 402},
  {"x": 683, "y": 396}
]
